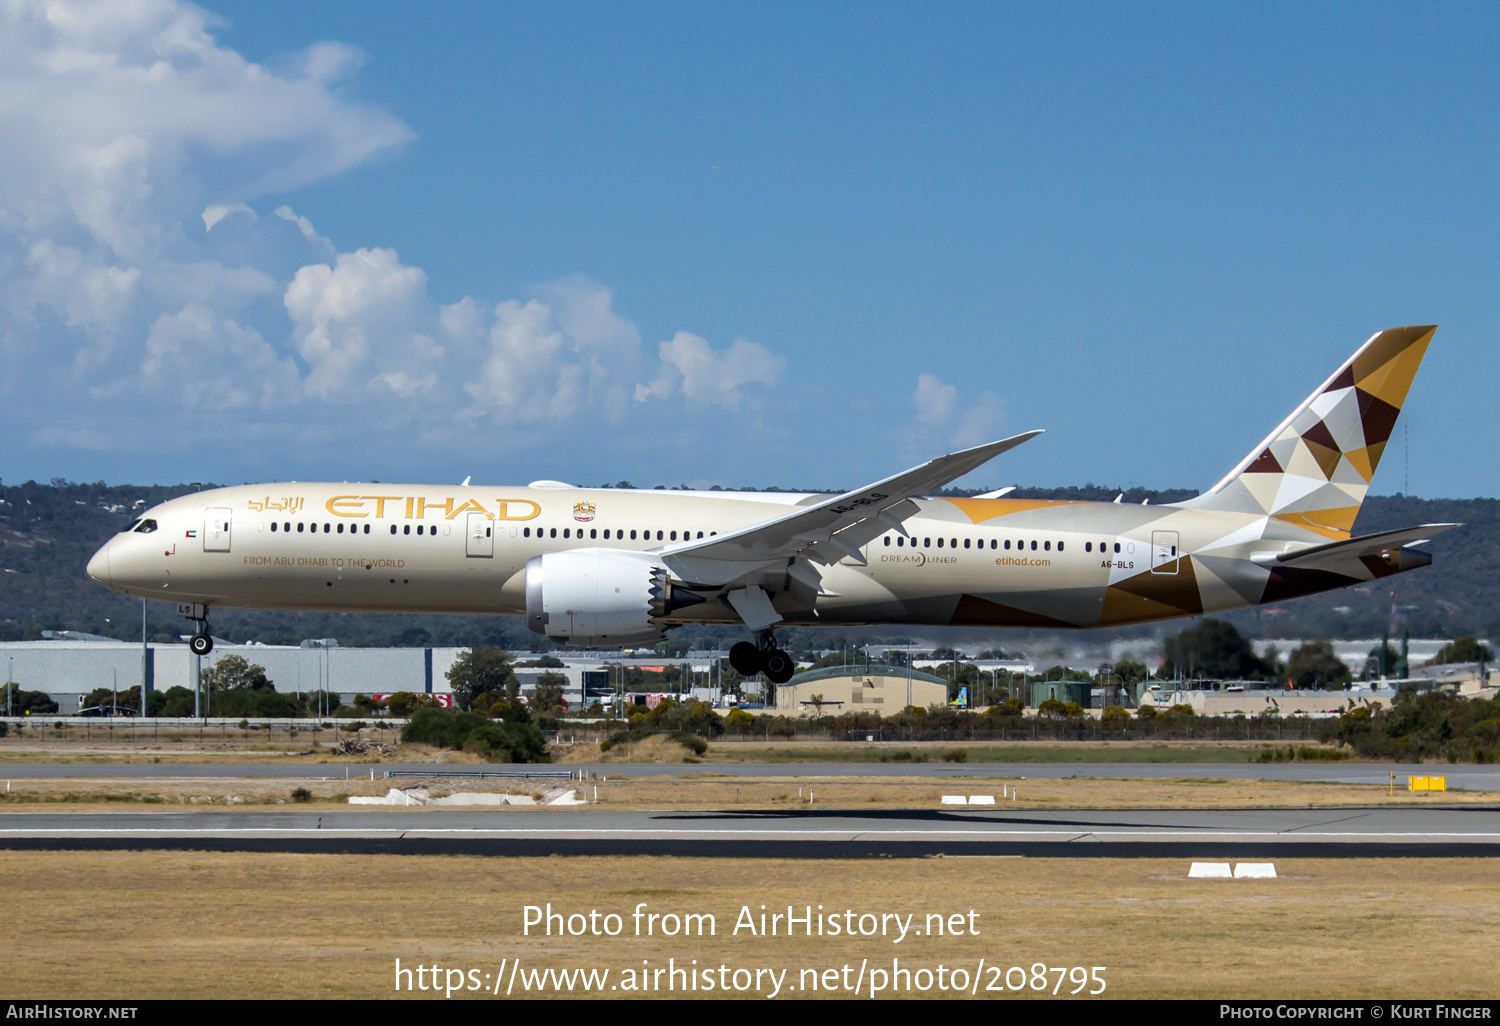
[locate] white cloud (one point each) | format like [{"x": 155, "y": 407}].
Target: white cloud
[
  {"x": 210, "y": 362},
  {"x": 935, "y": 401},
  {"x": 941, "y": 416},
  {"x": 709, "y": 378},
  {"x": 138, "y": 281},
  {"x": 565, "y": 355}
]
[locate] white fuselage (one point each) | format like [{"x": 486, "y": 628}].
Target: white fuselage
[{"x": 417, "y": 548}]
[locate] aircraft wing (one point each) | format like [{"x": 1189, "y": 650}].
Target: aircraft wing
[
  {"x": 1327, "y": 556},
  {"x": 828, "y": 531}
]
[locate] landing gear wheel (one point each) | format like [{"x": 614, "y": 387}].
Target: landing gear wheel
[
  {"x": 745, "y": 659},
  {"x": 201, "y": 644},
  {"x": 778, "y": 665}
]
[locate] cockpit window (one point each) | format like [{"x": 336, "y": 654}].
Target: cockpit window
[{"x": 143, "y": 526}]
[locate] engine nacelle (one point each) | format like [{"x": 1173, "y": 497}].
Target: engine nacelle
[{"x": 600, "y": 596}]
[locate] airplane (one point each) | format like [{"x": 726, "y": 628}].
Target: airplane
[{"x": 608, "y": 567}]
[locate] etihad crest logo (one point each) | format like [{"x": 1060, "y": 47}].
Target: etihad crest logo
[{"x": 583, "y": 512}]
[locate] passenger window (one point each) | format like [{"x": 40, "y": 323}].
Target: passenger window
[
  {"x": 406, "y": 529},
  {"x": 393, "y": 528},
  {"x": 565, "y": 532},
  {"x": 1117, "y": 546},
  {"x": 273, "y": 531},
  {"x": 327, "y": 528},
  {"x": 606, "y": 534},
  {"x": 553, "y": 532},
  {"x": 526, "y": 532},
  {"x": 1047, "y": 545},
  {"x": 899, "y": 542},
  {"x": 966, "y": 543},
  {"x": 299, "y": 527},
  {"x": 700, "y": 534},
  {"x": 341, "y": 528},
  {"x": 1007, "y": 544},
  {"x": 367, "y": 529},
  {"x": 419, "y": 528},
  {"x": 1088, "y": 546},
  {"x": 1033, "y": 546},
  {"x": 887, "y": 541},
  {"x": 674, "y": 535},
  {"x": 593, "y": 532},
  {"x": 953, "y": 543},
  {"x": 926, "y": 543},
  {"x": 1059, "y": 546},
  {"x": 287, "y": 527},
  {"x": 940, "y": 543},
  {"x": 658, "y": 536},
  {"x": 994, "y": 544},
  {"x": 632, "y": 536}
]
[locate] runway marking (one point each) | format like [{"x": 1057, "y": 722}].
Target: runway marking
[{"x": 1196, "y": 835}]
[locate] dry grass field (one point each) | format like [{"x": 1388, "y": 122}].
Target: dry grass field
[
  {"x": 329, "y": 789},
  {"x": 179, "y": 924}
]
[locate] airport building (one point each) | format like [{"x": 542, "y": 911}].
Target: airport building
[
  {"x": 840, "y": 689},
  {"x": 69, "y": 668}
]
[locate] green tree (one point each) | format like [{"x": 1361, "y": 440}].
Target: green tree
[
  {"x": 1466, "y": 649},
  {"x": 1131, "y": 671},
  {"x": 548, "y": 696},
  {"x": 233, "y": 672},
  {"x": 476, "y": 670},
  {"x": 401, "y": 703},
  {"x": 1212, "y": 649},
  {"x": 1313, "y": 664},
  {"x": 175, "y": 701},
  {"x": 23, "y": 703}
]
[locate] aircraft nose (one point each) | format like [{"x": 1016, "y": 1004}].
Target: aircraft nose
[{"x": 98, "y": 567}]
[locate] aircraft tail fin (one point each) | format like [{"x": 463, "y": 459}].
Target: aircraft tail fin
[{"x": 1313, "y": 471}]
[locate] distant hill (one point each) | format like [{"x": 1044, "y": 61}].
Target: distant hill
[{"x": 49, "y": 531}]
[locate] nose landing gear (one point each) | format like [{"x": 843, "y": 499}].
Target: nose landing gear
[
  {"x": 200, "y": 643},
  {"x": 762, "y": 657}
]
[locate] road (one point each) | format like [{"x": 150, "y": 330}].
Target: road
[{"x": 1217, "y": 834}]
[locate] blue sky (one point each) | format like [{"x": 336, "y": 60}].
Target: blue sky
[{"x": 754, "y": 244}]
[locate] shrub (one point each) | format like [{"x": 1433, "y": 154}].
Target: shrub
[
  {"x": 496, "y": 740},
  {"x": 739, "y": 719},
  {"x": 4, "y": 729},
  {"x": 301, "y": 794},
  {"x": 956, "y": 755},
  {"x": 691, "y": 741}
]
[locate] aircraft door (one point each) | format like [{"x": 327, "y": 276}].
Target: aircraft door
[
  {"x": 216, "y": 526},
  {"x": 1164, "y": 552},
  {"x": 481, "y": 536}
]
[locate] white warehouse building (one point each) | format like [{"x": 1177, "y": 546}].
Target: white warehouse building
[{"x": 69, "y": 669}]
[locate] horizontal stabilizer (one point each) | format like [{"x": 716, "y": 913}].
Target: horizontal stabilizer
[{"x": 1321, "y": 556}]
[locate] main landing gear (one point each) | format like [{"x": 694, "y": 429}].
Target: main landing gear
[
  {"x": 762, "y": 657},
  {"x": 200, "y": 643}
]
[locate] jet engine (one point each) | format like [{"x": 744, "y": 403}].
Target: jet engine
[{"x": 601, "y": 596}]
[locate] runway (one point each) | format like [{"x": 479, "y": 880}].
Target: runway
[
  {"x": 1467, "y": 777},
  {"x": 803, "y": 834}
]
